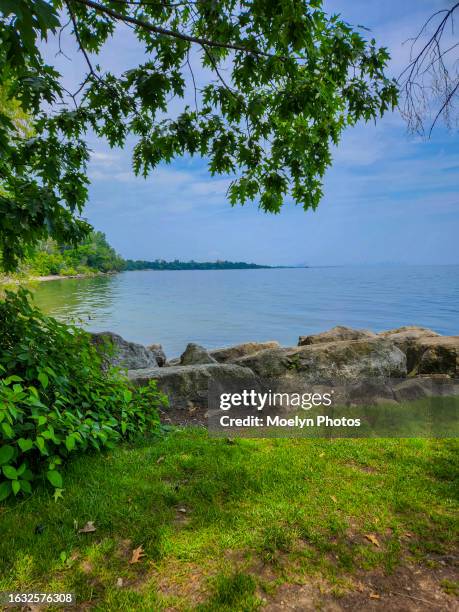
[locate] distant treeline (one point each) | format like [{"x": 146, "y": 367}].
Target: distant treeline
[
  {"x": 160, "y": 264},
  {"x": 94, "y": 255}
]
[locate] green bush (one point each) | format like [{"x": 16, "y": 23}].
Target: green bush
[{"x": 57, "y": 397}]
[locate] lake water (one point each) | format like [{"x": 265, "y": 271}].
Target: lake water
[{"x": 217, "y": 308}]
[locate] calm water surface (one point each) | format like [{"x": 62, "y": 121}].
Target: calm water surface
[{"x": 221, "y": 307}]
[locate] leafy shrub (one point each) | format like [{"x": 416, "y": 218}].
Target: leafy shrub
[{"x": 58, "y": 398}]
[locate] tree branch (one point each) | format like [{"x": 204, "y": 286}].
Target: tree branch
[{"x": 172, "y": 33}]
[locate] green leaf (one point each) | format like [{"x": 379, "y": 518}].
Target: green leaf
[
  {"x": 28, "y": 475},
  {"x": 13, "y": 378},
  {"x": 10, "y": 472},
  {"x": 5, "y": 489},
  {"x": 8, "y": 431},
  {"x": 70, "y": 442},
  {"x": 25, "y": 444},
  {"x": 6, "y": 454},
  {"x": 16, "y": 486},
  {"x": 21, "y": 469},
  {"x": 25, "y": 486},
  {"x": 40, "y": 443},
  {"x": 54, "y": 478},
  {"x": 41, "y": 420},
  {"x": 43, "y": 378}
]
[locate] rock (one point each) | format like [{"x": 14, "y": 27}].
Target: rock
[
  {"x": 338, "y": 333},
  {"x": 407, "y": 331},
  {"x": 172, "y": 362},
  {"x": 436, "y": 355},
  {"x": 407, "y": 338},
  {"x": 230, "y": 353},
  {"x": 187, "y": 386},
  {"x": 426, "y": 351},
  {"x": 426, "y": 386},
  {"x": 342, "y": 360},
  {"x": 412, "y": 389},
  {"x": 195, "y": 354},
  {"x": 158, "y": 352},
  {"x": 129, "y": 355}
]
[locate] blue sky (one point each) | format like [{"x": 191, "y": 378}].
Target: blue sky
[{"x": 389, "y": 197}]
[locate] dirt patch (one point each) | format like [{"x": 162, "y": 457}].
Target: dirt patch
[
  {"x": 185, "y": 580},
  {"x": 182, "y": 517},
  {"x": 411, "y": 588},
  {"x": 184, "y": 418},
  {"x": 361, "y": 467}
]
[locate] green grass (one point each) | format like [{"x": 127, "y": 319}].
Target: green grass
[{"x": 257, "y": 513}]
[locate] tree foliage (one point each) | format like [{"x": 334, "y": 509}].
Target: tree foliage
[
  {"x": 278, "y": 82},
  {"x": 92, "y": 254}
]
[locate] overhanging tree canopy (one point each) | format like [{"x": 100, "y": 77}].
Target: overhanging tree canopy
[{"x": 286, "y": 80}]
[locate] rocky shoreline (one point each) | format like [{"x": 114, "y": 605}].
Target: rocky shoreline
[{"x": 410, "y": 353}]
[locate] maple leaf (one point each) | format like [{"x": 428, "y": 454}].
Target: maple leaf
[
  {"x": 137, "y": 554},
  {"x": 88, "y": 528},
  {"x": 373, "y": 539}
]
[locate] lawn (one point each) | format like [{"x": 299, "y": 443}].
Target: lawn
[{"x": 240, "y": 525}]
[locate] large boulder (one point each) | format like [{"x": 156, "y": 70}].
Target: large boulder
[
  {"x": 195, "y": 354},
  {"x": 343, "y": 360},
  {"x": 407, "y": 331},
  {"x": 426, "y": 351},
  {"x": 158, "y": 352},
  {"x": 187, "y": 386},
  {"x": 230, "y": 353},
  {"x": 407, "y": 338},
  {"x": 119, "y": 352},
  {"x": 437, "y": 355},
  {"x": 336, "y": 334}
]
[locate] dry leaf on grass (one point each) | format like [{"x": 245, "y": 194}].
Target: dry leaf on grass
[
  {"x": 373, "y": 539},
  {"x": 183, "y": 510},
  {"x": 137, "y": 554},
  {"x": 160, "y": 459},
  {"x": 375, "y": 596},
  {"x": 88, "y": 528},
  {"x": 333, "y": 498}
]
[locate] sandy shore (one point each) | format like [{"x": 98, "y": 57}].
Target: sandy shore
[{"x": 51, "y": 277}]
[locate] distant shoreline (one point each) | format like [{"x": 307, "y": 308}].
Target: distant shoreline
[
  {"x": 161, "y": 264},
  {"x": 54, "y": 277},
  {"x": 57, "y": 277}
]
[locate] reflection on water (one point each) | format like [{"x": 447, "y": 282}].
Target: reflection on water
[
  {"x": 76, "y": 299},
  {"x": 217, "y": 308}
]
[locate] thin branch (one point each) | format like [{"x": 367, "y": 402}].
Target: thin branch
[
  {"x": 444, "y": 106},
  {"x": 194, "y": 82},
  {"x": 80, "y": 44},
  {"x": 430, "y": 79}
]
